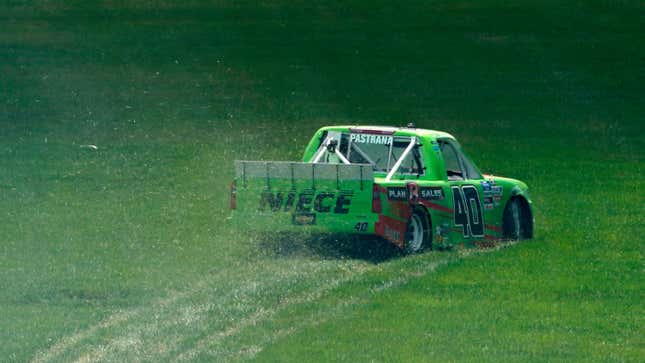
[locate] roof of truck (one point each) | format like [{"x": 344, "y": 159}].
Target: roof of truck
[{"x": 390, "y": 130}]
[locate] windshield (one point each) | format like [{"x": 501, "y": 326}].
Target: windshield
[{"x": 384, "y": 152}]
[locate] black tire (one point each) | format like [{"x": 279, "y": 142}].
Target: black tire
[
  {"x": 417, "y": 234},
  {"x": 516, "y": 215}
]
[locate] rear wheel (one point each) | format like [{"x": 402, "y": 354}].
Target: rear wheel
[{"x": 417, "y": 235}]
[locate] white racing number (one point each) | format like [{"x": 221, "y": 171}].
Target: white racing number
[{"x": 468, "y": 212}]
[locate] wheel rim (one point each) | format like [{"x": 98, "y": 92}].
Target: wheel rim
[{"x": 415, "y": 234}]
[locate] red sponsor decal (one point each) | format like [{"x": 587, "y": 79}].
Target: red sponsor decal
[
  {"x": 380, "y": 188},
  {"x": 493, "y": 227},
  {"x": 368, "y": 131},
  {"x": 391, "y": 229},
  {"x": 401, "y": 210},
  {"x": 377, "y": 207}
]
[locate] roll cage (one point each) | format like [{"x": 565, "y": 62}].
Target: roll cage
[{"x": 386, "y": 153}]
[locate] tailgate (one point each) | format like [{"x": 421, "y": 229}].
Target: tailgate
[{"x": 283, "y": 196}]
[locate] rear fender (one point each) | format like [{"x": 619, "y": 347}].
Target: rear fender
[{"x": 393, "y": 220}]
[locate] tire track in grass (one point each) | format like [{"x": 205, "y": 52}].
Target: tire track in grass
[
  {"x": 65, "y": 343},
  {"x": 215, "y": 339},
  {"x": 320, "y": 286},
  {"x": 143, "y": 334},
  {"x": 149, "y": 333},
  {"x": 143, "y": 337},
  {"x": 153, "y": 336},
  {"x": 117, "y": 318},
  {"x": 122, "y": 317},
  {"x": 321, "y": 316}
]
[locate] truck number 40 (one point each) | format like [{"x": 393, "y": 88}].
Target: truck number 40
[{"x": 468, "y": 212}]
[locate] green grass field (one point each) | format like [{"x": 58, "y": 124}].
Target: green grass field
[{"x": 124, "y": 253}]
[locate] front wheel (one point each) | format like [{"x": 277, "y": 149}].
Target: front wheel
[
  {"x": 515, "y": 220},
  {"x": 417, "y": 235}
]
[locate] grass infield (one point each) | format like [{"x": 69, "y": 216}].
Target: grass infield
[{"x": 120, "y": 121}]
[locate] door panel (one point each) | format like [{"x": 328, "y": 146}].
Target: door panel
[
  {"x": 467, "y": 206},
  {"x": 466, "y": 191}
]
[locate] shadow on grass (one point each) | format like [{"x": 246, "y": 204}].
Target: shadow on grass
[{"x": 329, "y": 246}]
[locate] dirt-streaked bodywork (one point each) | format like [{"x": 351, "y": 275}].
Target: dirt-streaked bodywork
[{"x": 358, "y": 198}]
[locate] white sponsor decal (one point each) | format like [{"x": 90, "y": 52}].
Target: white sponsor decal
[{"x": 371, "y": 139}]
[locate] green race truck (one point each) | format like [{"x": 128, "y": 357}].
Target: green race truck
[{"x": 414, "y": 187}]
